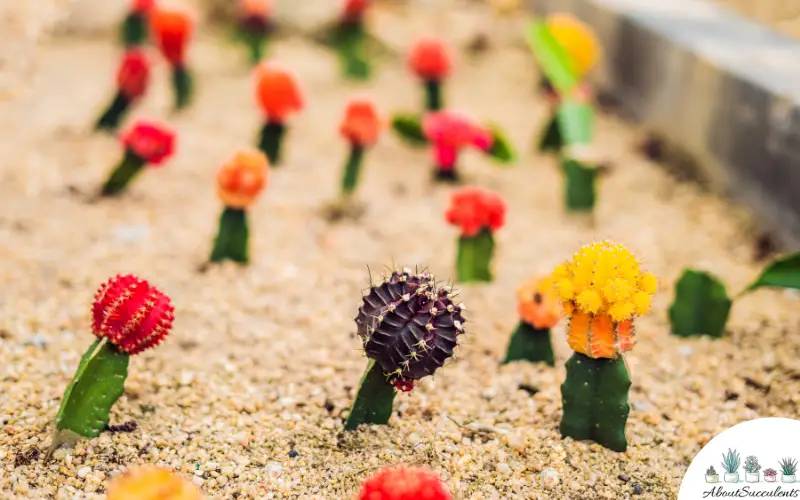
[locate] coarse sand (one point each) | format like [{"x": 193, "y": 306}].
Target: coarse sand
[{"x": 264, "y": 360}]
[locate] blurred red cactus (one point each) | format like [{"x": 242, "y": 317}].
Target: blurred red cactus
[
  {"x": 404, "y": 483},
  {"x": 450, "y": 132},
  {"x": 142, "y": 6},
  {"x": 353, "y": 10},
  {"x": 473, "y": 208},
  {"x": 430, "y": 59},
  {"x": 131, "y": 313},
  {"x": 133, "y": 74},
  {"x": 362, "y": 124},
  {"x": 150, "y": 141},
  {"x": 172, "y": 30},
  {"x": 241, "y": 179}
]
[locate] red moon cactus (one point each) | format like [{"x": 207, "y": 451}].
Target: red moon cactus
[
  {"x": 145, "y": 143},
  {"x": 404, "y": 483},
  {"x": 172, "y": 30},
  {"x": 478, "y": 213},
  {"x": 361, "y": 127},
  {"x": 431, "y": 60},
  {"x": 279, "y": 95},
  {"x": 133, "y": 75},
  {"x": 449, "y": 132}
]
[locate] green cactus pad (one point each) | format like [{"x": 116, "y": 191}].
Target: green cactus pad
[
  {"x": 183, "y": 86},
  {"x": 701, "y": 305},
  {"x": 595, "y": 401},
  {"x": 501, "y": 151},
  {"x": 113, "y": 115},
  {"x": 352, "y": 169},
  {"x": 409, "y": 128},
  {"x": 475, "y": 257},
  {"x": 580, "y": 186},
  {"x": 373, "y": 404},
  {"x": 133, "y": 30},
  {"x": 269, "y": 141},
  {"x": 98, "y": 382},
  {"x": 130, "y": 166},
  {"x": 575, "y": 122},
  {"x": 553, "y": 60},
  {"x": 550, "y": 139},
  {"x": 781, "y": 273},
  {"x": 232, "y": 239},
  {"x": 529, "y": 344}
]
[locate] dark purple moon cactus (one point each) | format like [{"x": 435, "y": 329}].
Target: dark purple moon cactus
[{"x": 409, "y": 326}]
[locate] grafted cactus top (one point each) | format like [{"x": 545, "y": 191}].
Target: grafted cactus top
[{"x": 409, "y": 325}]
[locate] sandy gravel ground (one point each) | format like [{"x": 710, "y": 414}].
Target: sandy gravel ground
[{"x": 247, "y": 394}]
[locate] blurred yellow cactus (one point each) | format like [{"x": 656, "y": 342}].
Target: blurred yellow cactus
[
  {"x": 152, "y": 483},
  {"x": 603, "y": 289},
  {"x": 578, "y": 39}
]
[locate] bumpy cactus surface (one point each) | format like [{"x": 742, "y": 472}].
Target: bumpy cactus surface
[{"x": 409, "y": 327}]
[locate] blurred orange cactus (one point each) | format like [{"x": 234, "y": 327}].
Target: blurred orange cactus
[
  {"x": 152, "y": 483},
  {"x": 277, "y": 92},
  {"x": 538, "y": 304},
  {"x": 261, "y": 8},
  {"x": 172, "y": 30},
  {"x": 578, "y": 39},
  {"x": 242, "y": 179},
  {"x": 361, "y": 124}
]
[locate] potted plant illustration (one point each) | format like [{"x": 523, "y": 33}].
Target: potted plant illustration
[
  {"x": 730, "y": 464},
  {"x": 770, "y": 475},
  {"x": 751, "y": 468},
  {"x": 711, "y": 475},
  {"x": 788, "y": 468}
]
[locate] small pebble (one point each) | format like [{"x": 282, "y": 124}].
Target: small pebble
[
  {"x": 293, "y": 454},
  {"x": 637, "y": 489},
  {"x": 84, "y": 471},
  {"x": 503, "y": 468}
]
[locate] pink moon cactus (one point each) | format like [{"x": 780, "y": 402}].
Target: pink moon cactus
[{"x": 449, "y": 132}]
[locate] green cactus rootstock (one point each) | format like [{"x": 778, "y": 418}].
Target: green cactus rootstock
[
  {"x": 129, "y": 167},
  {"x": 350, "y": 42},
  {"x": 270, "y": 139},
  {"x": 183, "y": 87},
  {"x": 580, "y": 185},
  {"x": 550, "y": 138},
  {"x": 409, "y": 128},
  {"x": 373, "y": 404},
  {"x": 98, "y": 382},
  {"x": 530, "y": 344},
  {"x": 352, "y": 169},
  {"x": 113, "y": 115},
  {"x": 133, "y": 30},
  {"x": 254, "y": 32},
  {"x": 232, "y": 241},
  {"x": 595, "y": 401},
  {"x": 433, "y": 95},
  {"x": 701, "y": 305},
  {"x": 409, "y": 328},
  {"x": 474, "y": 259}
]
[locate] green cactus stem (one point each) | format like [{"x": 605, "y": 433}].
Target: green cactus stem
[
  {"x": 130, "y": 166},
  {"x": 701, "y": 305},
  {"x": 270, "y": 141},
  {"x": 256, "y": 44},
  {"x": 550, "y": 139},
  {"x": 373, "y": 404},
  {"x": 409, "y": 128},
  {"x": 580, "y": 185},
  {"x": 595, "y": 401},
  {"x": 352, "y": 169},
  {"x": 232, "y": 239},
  {"x": 183, "y": 86},
  {"x": 501, "y": 150},
  {"x": 530, "y": 344},
  {"x": 254, "y": 32},
  {"x": 475, "y": 257},
  {"x": 98, "y": 383},
  {"x": 350, "y": 42},
  {"x": 433, "y": 95},
  {"x": 114, "y": 113},
  {"x": 133, "y": 30}
]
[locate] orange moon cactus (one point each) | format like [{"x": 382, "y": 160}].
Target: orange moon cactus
[
  {"x": 152, "y": 483},
  {"x": 361, "y": 124},
  {"x": 172, "y": 31},
  {"x": 279, "y": 95},
  {"x": 538, "y": 303},
  {"x": 242, "y": 179}
]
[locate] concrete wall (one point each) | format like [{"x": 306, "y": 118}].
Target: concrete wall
[{"x": 722, "y": 89}]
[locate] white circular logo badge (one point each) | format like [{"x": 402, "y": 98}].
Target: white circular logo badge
[{"x": 755, "y": 459}]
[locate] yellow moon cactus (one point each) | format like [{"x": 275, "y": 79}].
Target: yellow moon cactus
[
  {"x": 577, "y": 39},
  {"x": 152, "y": 483}
]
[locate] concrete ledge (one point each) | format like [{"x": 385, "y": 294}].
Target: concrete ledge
[{"x": 722, "y": 89}]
